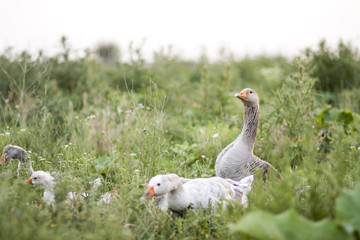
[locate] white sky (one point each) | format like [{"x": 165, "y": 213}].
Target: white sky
[{"x": 242, "y": 27}]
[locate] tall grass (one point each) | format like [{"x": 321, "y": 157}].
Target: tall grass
[{"x": 172, "y": 122}]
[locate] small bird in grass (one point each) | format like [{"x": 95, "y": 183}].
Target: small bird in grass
[
  {"x": 16, "y": 152},
  {"x": 45, "y": 179}
]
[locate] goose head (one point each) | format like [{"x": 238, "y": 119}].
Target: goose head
[
  {"x": 248, "y": 96},
  {"x": 161, "y": 184},
  {"x": 12, "y": 152},
  {"x": 43, "y": 179}
]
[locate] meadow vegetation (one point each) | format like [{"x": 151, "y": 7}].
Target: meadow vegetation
[{"x": 126, "y": 121}]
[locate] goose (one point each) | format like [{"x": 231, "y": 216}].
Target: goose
[
  {"x": 198, "y": 192},
  {"x": 162, "y": 201},
  {"x": 237, "y": 160},
  {"x": 16, "y": 152},
  {"x": 45, "y": 179}
]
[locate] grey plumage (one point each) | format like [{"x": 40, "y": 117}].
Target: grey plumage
[
  {"x": 237, "y": 160},
  {"x": 16, "y": 152}
]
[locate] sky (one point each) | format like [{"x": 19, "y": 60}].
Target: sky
[{"x": 191, "y": 27}]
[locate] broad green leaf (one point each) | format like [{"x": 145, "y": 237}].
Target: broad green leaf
[
  {"x": 103, "y": 162},
  {"x": 329, "y": 113},
  {"x": 323, "y": 115},
  {"x": 345, "y": 116},
  {"x": 287, "y": 225},
  {"x": 347, "y": 209}
]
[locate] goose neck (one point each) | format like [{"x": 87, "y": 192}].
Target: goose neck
[
  {"x": 251, "y": 120},
  {"x": 49, "y": 185}
]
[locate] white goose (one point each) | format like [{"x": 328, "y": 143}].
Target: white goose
[
  {"x": 198, "y": 192},
  {"x": 237, "y": 160},
  {"x": 16, "y": 152},
  {"x": 48, "y": 182}
]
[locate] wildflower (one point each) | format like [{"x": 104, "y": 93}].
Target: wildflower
[
  {"x": 352, "y": 147},
  {"x": 66, "y": 146},
  {"x": 203, "y": 156},
  {"x": 91, "y": 117},
  {"x": 148, "y": 108},
  {"x": 140, "y": 105},
  {"x": 215, "y": 135},
  {"x": 128, "y": 111},
  {"x": 52, "y": 225},
  {"x": 133, "y": 154},
  {"x": 6, "y": 100},
  {"x": 137, "y": 170},
  {"x": 7, "y": 133},
  {"x": 22, "y": 130}
]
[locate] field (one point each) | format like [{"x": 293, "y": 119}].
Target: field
[{"x": 95, "y": 116}]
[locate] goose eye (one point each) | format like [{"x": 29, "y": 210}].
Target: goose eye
[
  {"x": 251, "y": 91},
  {"x": 158, "y": 184},
  {"x": 35, "y": 178}
]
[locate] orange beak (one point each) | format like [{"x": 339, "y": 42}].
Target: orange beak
[
  {"x": 151, "y": 190},
  {"x": 241, "y": 95},
  {"x": 148, "y": 193},
  {"x": 29, "y": 181},
  {"x": 2, "y": 159}
]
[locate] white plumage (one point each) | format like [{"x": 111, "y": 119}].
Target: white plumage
[
  {"x": 45, "y": 179},
  {"x": 198, "y": 192}
]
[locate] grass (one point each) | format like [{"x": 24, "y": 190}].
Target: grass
[{"x": 127, "y": 136}]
